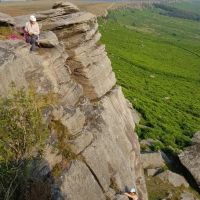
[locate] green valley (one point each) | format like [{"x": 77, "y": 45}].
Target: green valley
[{"x": 156, "y": 59}]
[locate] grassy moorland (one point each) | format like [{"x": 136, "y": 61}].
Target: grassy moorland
[
  {"x": 156, "y": 59},
  {"x": 191, "y": 6}
]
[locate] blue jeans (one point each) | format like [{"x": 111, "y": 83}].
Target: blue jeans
[{"x": 32, "y": 39}]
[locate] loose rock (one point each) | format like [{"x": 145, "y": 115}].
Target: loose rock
[
  {"x": 152, "y": 160},
  {"x": 48, "y": 39}
]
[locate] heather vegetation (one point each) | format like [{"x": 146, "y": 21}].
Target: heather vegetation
[{"x": 156, "y": 60}]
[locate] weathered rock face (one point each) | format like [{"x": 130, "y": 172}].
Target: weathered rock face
[
  {"x": 190, "y": 158},
  {"x": 175, "y": 179},
  {"x": 91, "y": 108},
  {"x": 152, "y": 160},
  {"x": 48, "y": 39},
  {"x": 87, "y": 60}
]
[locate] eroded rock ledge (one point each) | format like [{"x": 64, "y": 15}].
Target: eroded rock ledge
[
  {"x": 90, "y": 106},
  {"x": 190, "y": 158}
]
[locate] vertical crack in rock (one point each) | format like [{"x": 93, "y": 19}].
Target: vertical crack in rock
[{"x": 96, "y": 178}]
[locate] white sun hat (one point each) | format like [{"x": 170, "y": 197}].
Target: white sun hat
[
  {"x": 32, "y": 18},
  {"x": 133, "y": 190}
]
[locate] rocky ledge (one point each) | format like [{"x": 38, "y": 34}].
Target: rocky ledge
[
  {"x": 190, "y": 158},
  {"x": 90, "y": 106}
]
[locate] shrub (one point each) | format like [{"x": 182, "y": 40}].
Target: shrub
[
  {"x": 5, "y": 32},
  {"x": 63, "y": 140},
  {"x": 22, "y": 136}
]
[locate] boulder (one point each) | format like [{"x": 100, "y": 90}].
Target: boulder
[
  {"x": 190, "y": 158},
  {"x": 175, "y": 179},
  {"x": 48, "y": 39},
  {"x": 152, "y": 160},
  {"x": 6, "y": 20}
]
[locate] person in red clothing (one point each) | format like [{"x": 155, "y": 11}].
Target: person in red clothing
[{"x": 32, "y": 32}]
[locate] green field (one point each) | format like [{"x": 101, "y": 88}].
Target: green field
[
  {"x": 191, "y": 6},
  {"x": 156, "y": 59}
]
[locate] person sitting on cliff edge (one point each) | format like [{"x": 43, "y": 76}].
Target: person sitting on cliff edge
[
  {"x": 132, "y": 194},
  {"x": 32, "y": 32}
]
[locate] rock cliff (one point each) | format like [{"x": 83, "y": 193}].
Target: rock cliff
[
  {"x": 90, "y": 106},
  {"x": 190, "y": 158}
]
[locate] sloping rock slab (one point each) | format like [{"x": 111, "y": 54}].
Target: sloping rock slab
[
  {"x": 6, "y": 19},
  {"x": 67, "y": 20},
  {"x": 152, "y": 160},
  {"x": 78, "y": 183},
  {"x": 175, "y": 179},
  {"x": 190, "y": 158},
  {"x": 48, "y": 39}
]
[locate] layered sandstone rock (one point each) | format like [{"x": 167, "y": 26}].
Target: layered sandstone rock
[
  {"x": 90, "y": 108},
  {"x": 152, "y": 160},
  {"x": 48, "y": 39},
  {"x": 190, "y": 158}
]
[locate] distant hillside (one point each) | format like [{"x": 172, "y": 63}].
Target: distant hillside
[
  {"x": 177, "y": 12},
  {"x": 156, "y": 58}
]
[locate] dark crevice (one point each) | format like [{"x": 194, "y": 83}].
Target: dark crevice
[
  {"x": 177, "y": 167},
  {"x": 95, "y": 177}
]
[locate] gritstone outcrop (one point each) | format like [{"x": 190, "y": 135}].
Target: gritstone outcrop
[
  {"x": 190, "y": 158},
  {"x": 90, "y": 105}
]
